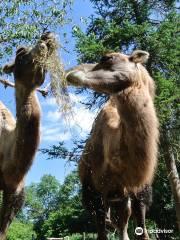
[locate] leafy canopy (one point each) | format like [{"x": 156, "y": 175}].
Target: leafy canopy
[{"x": 23, "y": 22}]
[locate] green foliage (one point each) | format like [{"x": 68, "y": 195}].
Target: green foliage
[
  {"x": 78, "y": 236},
  {"x": 41, "y": 199},
  {"x": 54, "y": 209},
  {"x": 23, "y": 22},
  {"x": 20, "y": 231},
  {"x": 89, "y": 45},
  {"x": 1, "y": 198},
  {"x": 162, "y": 211},
  {"x": 69, "y": 216},
  {"x": 48, "y": 190}
]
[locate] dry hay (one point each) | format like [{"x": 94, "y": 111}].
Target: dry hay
[{"x": 55, "y": 67}]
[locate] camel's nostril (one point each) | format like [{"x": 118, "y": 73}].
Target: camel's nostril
[
  {"x": 39, "y": 50},
  {"x": 47, "y": 35},
  {"x": 43, "y": 46}
]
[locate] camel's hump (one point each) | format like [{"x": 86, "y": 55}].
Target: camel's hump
[{"x": 6, "y": 116}]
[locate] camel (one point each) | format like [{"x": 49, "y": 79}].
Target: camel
[
  {"x": 120, "y": 157},
  {"x": 19, "y": 139}
]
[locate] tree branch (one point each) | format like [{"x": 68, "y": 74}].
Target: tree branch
[
  {"x": 44, "y": 91},
  {"x": 7, "y": 83}
]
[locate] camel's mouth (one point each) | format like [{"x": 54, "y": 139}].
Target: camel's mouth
[
  {"x": 40, "y": 52},
  {"x": 50, "y": 40}
]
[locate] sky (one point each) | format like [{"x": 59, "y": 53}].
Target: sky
[{"x": 53, "y": 126}]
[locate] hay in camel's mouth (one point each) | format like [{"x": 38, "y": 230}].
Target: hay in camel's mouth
[{"x": 58, "y": 84}]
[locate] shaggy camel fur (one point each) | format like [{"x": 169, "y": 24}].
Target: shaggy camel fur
[
  {"x": 120, "y": 156},
  {"x": 19, "y": 139}
]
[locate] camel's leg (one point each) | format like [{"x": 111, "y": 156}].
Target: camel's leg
[
  {"x": 94, "y": 204},
  {"x": 140, "y": 203},
  {"x": 12, "y": 203},
  {"x": 120, "y": 211}
]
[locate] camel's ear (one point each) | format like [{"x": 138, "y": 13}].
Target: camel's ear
[
  {"x": 9, "y": 68},
  {"x": 139, "y": 56}
]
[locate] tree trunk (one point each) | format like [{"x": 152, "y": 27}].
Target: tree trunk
[{"x": 172, "y": 175}]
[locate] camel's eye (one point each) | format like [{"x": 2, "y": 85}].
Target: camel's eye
[
  {"x": 20, "y": 50},
  {"x": 107, "y": 59}
]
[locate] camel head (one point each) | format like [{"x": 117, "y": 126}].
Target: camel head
[
  {"x": 29, "y": 66},
  {"x": 113, "y": 73}
]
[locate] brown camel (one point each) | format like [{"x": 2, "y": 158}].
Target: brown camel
[
  {"x": 19, "y": 139},
  {"x": 120, "y": 157}
]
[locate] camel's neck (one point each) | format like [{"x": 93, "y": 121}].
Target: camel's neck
[
  {"x": 140, "y": 137},
  {"x": 138, "y": 116},
  {"x": 27, "y": 127},
  {"x": 135, "y": 108}
]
